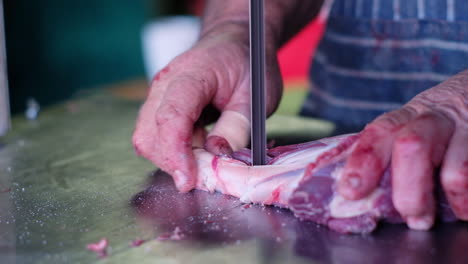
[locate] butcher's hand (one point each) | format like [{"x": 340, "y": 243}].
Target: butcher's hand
[
  {"x": 429, "y": 132},
  {"x": 210, "y": 79}
]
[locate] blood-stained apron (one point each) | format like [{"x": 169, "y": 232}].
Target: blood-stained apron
[{"x": 377, "y": 54}]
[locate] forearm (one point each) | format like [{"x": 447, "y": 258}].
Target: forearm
[{"x": 283, "y": 19}]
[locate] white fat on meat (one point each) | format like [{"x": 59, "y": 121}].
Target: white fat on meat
[{"x": 275, "y": 182}]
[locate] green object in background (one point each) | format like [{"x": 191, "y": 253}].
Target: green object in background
[
  {"x": 56, "y": 47},
  {"x": 292, "y": 101}
]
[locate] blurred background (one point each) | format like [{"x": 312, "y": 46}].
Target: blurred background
[{"x": 57, "y": 48}]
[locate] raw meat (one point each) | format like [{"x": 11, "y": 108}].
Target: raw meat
[
  {"x": 301, "y": 177},
  {"x": 100, "y": 247},
  {"x": 137, "y": 242}
]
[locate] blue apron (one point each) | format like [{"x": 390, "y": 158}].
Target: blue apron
[{"x": 377, "y": 54}]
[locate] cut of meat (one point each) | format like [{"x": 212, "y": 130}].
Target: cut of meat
[{"x": 302, "y": 178}]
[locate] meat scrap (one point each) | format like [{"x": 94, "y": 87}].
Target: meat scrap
[
  {"x": 100, "y": 247},
  {"x": 302, "y": 178},
  {"x": 137, "y": 242}
]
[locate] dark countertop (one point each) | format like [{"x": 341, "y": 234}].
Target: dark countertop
[{"x": 71, "y": 178}]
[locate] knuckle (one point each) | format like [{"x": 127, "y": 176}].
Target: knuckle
[
  {"x": 410, "y": 143},
  {"x": 170, "y": 112},
  {"x": 428, "y": 117},
  {"x": 393, "y": 121},
  {"x": 138, "y": 144},
  {"x": 372, "y": 133},
  {"x": 448, "y": 100},
  {"x": 381, "y": 126}
]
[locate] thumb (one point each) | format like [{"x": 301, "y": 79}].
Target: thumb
[{"x": 230, "y": 133}]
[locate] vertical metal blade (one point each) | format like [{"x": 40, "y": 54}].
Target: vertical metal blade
[{"x": 257, "y": 79}]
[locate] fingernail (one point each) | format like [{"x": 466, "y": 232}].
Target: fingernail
[
  {"x": 420, "y": 222},
  {"x": 218, "y": 146},
  {"x": 353, "y": 181},
  {"x": 350, "y": 185}
]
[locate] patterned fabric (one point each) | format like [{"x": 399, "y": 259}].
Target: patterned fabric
[{"x": 378, "y": 54}]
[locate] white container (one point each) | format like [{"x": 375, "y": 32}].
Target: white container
[{"x": 166, "y": 38}]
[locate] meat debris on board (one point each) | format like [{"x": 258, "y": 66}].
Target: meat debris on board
[
  {"x": 100, "y": 247},
  {"x": 302, "y": 178},
  {"x": 137, "y": 242}
]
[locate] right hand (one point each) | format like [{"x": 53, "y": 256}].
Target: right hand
[{"x": 215, "y": 72}]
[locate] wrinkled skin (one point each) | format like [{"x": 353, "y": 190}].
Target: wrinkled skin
[
  {"x": 428, "y": 132},
  {"x": 215, "y": 71}
]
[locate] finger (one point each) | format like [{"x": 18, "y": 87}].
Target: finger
[
  {"x": 418, "y": 149},
  {"x": 372, "y": 154},
  {"x": 218, "y": 146},
  {"x": 231, "y": 131},
  {"x": 180, "y": 109},
  {"x": 143, "y": 136},
  {"x": 454, "y": 175}
]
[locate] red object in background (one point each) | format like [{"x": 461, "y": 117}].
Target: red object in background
[
  {"x": 296, "y": 55},
  {"x": 196, "y": 7}
]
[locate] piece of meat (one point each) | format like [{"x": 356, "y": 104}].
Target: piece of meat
[
  {"x": 100, "y": 247},
  {"x": 137, "y": 242},
  {"x": 302, "y": 178}
]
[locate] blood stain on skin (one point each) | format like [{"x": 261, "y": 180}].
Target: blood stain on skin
[
  {"x": 221, "y": 101},
  {"x": 364, "y": 150},
  {"x": 157, "y": 77},
  {"x": 459, "y": 204},
  {"x": 367, "y": 157},
  {"x": 411, "y": 144},
  {"x": 137, "y": 150}
]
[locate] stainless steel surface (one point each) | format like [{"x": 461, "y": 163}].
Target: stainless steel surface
[
  {"x": 257, "y": 79},
  {"x": 215, "y": 219},
  {"x": 71, "y": 177},
  {"x": 4, "y": 99}
]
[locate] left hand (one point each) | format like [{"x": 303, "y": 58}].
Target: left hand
[{"x": 428, "y": 132}]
